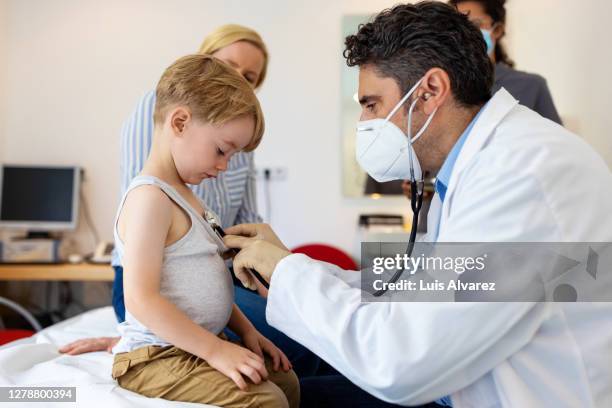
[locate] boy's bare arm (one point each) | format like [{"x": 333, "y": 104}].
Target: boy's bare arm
[
  {"x": 239, "y": 323},
  {"x": 148, "y": 217}
]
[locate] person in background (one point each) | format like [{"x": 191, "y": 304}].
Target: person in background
[
  {"x": 529, "y": 89},
  {"x": 231, "y": 195}
]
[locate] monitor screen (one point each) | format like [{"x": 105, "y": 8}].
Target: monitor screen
[{"x": 39, "y": 198}]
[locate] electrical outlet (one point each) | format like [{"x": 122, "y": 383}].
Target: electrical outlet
[{"x": 272, "y": 173}]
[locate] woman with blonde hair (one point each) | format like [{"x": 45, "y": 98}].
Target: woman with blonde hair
[
  {"x": 242, "y": 48},
  {"x": 231, "y": 195}
]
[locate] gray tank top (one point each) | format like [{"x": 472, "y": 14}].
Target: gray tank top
[{"x": 194, "y": 277}]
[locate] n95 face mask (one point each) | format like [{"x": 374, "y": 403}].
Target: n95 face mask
[{"x": 384, "y": 151}]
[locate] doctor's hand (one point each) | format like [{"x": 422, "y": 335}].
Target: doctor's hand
[
  {"x": 257, "y": 254},
  {"x": 261, "y": 231}
]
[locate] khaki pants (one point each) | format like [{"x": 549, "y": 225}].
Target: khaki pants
[{"x": 174, "y": 374}]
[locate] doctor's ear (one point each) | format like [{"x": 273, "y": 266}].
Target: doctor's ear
[
  {"x": 434, "y": 90},
  {"x": 178, "y": 119}
]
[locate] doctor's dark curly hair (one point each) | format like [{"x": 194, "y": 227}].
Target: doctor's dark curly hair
[{"x": 405, "y": 41}]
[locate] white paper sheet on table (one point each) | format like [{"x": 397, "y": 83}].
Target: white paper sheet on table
[{"x": 35, "y": 361}]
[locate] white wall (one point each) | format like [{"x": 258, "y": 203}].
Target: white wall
[
  {"x": 74, "y": 70},
  {"x": 566, "y": 42},
  {"x": 3, "y": 40}
]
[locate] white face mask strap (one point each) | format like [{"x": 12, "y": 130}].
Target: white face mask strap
[
  {"x": 409, "y": 129},
  {"x": 419, "y": 134},
  {"x": 423, "y": 129},
  {"x": 410, "y": 153},
  {"x": 401, "y": 102}
]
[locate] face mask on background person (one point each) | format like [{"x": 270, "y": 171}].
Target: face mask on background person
[
  {"x": 384, "y": 151},
  {"x": 488, "y": 39}
]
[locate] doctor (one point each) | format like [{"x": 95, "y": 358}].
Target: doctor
[{"x": 504, "y": 173}]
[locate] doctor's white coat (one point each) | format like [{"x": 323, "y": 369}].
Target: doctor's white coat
[{"x": 519, "y": 177}]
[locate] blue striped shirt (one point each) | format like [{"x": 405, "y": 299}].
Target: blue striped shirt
[{"x": 231, "y": 195}]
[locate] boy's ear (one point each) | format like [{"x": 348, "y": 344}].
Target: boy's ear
[{"x": 178, "y": 118}]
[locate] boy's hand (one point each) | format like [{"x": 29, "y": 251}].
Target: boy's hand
[
  {"x": 259, "y": 344},
  {"x": 89, "y": 345},
  {"x": 234, "y": 361}
]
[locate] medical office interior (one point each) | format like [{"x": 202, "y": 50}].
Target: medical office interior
[{"x": 72, "y": 71}]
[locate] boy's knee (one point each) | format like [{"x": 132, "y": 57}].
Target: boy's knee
[
  {"x": 289, "y": 384},
  {"x": 269, "y": 394}
]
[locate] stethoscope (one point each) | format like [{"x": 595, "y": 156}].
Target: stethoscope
[
  {"x": 416, "y": 202},
  {"x": 215, "y": 225}
]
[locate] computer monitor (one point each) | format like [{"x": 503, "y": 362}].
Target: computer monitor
[{"x": 39, "y": 198}]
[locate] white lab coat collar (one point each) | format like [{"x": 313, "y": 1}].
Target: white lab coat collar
[{"x": 494, "y": 112}]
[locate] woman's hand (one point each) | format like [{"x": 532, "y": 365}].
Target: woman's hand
[
  {"x": 257, "y": 343},
  {"x": 257, "y": 254},
  {"x": 234, "y": 361},
  {"x": 89, "y": 345}
]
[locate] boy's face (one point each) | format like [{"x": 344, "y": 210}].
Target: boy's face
[{"x": 201, "y": 150}]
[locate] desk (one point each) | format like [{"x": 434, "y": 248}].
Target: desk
[{"x": 60, "y": 272}]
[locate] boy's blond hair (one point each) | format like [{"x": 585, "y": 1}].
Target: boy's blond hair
[
  {"x": 213, "y": 91},
  {"x": 228, "y": 34}
]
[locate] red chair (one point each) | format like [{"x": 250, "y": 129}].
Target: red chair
[
  {"x": 327, "y": 253},
  {"x": 8, "y": 335}
]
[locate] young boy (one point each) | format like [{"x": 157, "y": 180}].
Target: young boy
[{"x": 178, "y": 291}]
